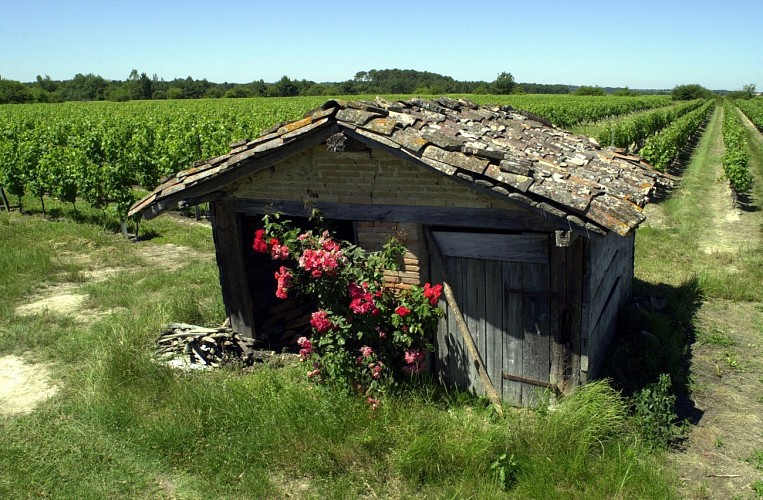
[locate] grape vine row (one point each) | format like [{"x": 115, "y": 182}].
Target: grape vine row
[
  {"x": 661, "y": 149},
  {"x": 753, "y": 108},
  {"x": 635, "y": 128},
  {"x": 737, "y": 155}
]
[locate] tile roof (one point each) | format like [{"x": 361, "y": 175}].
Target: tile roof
[{"x": 508, "y": 152}]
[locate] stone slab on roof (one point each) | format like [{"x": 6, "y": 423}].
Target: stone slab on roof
[{"x": 508, "y": 152}]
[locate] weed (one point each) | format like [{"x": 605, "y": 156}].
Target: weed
[
  {"x": 757, "y": 487},
  {"x": 719, "y": 442},
  {"x": 143, "y": 431},
  {"x": 732, "y": 362},
  {"x": 505, "y": 469},
  {"x": 756, "y": 459},
  {"x": 716, "y": 337},
  {"x": 654, "y": 412}
]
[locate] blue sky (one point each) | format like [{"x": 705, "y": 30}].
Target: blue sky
[{"x": 642, "y": 44}]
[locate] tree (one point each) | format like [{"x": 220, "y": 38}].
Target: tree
[
  {"x": 689, "y": 92},
  {"x": 624, "y": 92},
  {"x": 238, "y": 91},
  {"x": 747, "y": 92},
  {"x": 88, "y": 87},
  {"x": 145, "y": 87},
  {"x": 13, "y": 92},
  {"x": 589, "y": 90},
  {"x": 174, "y": 93},
  {"x": 504, "y": 84},
  {"x": 283, "y": 88}
]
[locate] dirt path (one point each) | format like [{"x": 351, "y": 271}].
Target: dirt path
[
  {"x": 723, "y": 454},
  {"x": 24, "y": 383},
  {"x": 69, "y": 298}
]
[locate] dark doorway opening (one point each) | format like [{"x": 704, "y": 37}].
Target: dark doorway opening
[{"x": 278, "y": 323}]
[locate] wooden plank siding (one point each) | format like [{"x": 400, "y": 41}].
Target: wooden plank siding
[
  {"x": 513, "y": 338},
  {"x": 494, "y": 333},
  {"x": 606, "y": 285},
  {"x": 572, "y": 325},
  {"x": 501, "y": 247},
  {"x": 536, "y": 324}
]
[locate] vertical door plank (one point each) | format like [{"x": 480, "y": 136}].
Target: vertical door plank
[
  {"x": 494, "y": 336},
  {"x": 511, "y": 275},
  {"x": 474, "y": 315},
  {"x": 535, "y": 314},
  {"x": 229, "y": 250},
  {"x": 442, "y": 353},
  {"x": 454, "y": 270}
]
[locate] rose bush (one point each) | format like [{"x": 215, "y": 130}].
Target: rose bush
[{"x": 364, "y": 335}]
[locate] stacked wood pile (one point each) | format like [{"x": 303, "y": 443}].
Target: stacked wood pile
[{"x": 197, "y": 346}]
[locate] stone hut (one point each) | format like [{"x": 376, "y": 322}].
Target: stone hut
[{"x": 532, "y": 227}]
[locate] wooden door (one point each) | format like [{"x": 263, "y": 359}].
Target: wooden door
[{"x": 502, "y": 286}]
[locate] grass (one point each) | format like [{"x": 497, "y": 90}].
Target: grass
[
  {"x": 756, "y": 459},
  {"x": 715, "y": 336},
  {"x": 123, "y": 426},
  {"x": 706, "y": 261}
]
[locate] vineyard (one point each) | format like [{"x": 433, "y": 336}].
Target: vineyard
[
  {"x": 661, "y": 149},
  {"x": 737, "y": 155},
  {"x": 633, "y": 129},
  {"x": 100, "y": 152},
  {"x": 753, "y": 108}
]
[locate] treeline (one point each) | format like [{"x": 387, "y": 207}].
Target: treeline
[{"x": 139, "y": 86}]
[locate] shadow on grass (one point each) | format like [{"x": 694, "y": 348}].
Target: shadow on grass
[
  {"x": 746, "y": 203},
  {"x": 654, "y": 337}
]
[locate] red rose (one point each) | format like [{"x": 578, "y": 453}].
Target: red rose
[
  {"x": 402, "y": 311},
  {"x": 259, "y": 244}
]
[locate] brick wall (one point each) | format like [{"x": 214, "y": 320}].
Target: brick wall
[
  {"x": 364, "y": 177},
  {"x": 413, "y": 267}
]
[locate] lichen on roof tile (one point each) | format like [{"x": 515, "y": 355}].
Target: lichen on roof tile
[{"x": 356, "y": 116}]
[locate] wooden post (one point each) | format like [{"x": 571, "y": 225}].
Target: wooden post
[{"x": 462, "y": 327}]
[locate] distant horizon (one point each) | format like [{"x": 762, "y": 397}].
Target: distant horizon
[
  {"x": 654, "y": 45},
  {"x": 163, "y": 79}
]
